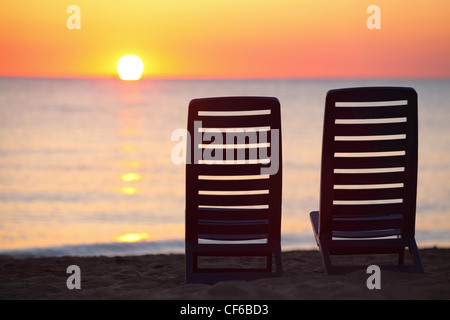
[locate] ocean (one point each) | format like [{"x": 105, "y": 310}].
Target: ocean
[{"x": 86, "y": 166}]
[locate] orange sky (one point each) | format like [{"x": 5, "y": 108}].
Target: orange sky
[{"x": 227, "y": 38}]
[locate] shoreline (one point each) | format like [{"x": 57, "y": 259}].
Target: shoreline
[
  {"x": 162, "y": 277},
  {"x": 289, "y": 242}
]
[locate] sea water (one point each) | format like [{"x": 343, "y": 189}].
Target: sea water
[{"x": 86, "y": 168}]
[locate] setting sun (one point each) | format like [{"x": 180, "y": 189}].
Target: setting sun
[{"x": 130, "y": 67}]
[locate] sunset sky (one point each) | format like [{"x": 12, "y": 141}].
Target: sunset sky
[{"x": 227, "y": 38}]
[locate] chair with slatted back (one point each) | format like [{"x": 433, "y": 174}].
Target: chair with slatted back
[
  {"x": 368, "y": 175},
  {"x": 233, "y": 189}
]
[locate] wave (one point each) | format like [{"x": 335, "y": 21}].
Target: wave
[
  {"x": 101, "y": 249},
  {"x": 300, "y": 241},
  {"x": 175, "y": 246}
]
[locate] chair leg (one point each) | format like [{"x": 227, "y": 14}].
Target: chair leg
[
  {"x": 191, "y": 260},
  {"x": 278, "y": 262},
  {"x": 189, "y": 267},
  {"x": 326, "y": 259},
  {"x": 414, "y": 251}
]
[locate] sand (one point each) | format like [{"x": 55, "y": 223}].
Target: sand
[{"x": 163, "y": 277}]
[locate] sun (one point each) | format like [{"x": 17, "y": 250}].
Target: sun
[{"x": 130, "y": 67}]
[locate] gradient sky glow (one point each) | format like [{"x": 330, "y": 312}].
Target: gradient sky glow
[{"x": 227, "y": 38}]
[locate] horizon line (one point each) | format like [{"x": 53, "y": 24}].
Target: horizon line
[{"x": 116, "y": 77}]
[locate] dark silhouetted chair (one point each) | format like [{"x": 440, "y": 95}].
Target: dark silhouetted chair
[
  {"x": 368, "y": 175},
  {"x": 233, "y": 189}
]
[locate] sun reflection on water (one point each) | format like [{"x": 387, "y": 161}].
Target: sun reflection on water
[
  {"x": 132, "y": 164},
  {"x": 131, "y": 176},
  {"x": 128, "y": 190},
  {"x": 134, "y": 237}
]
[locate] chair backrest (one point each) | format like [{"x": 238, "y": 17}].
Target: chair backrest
[
  {"x": 369, "y": 163},
  {"x": 233, "y": 192}
]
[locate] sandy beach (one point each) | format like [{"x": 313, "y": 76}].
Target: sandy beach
[{"x": 163, "y": 277}]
